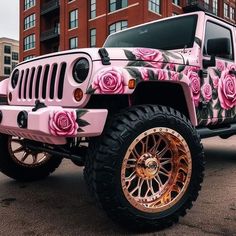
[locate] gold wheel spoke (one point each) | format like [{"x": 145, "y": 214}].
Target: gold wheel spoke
[
  {"x": 156, "y": 145},
  {"x": 159, "y": 182},
  {"x": 131, "y": 163},
  {"x": 163, "y": 151},
  {"x": 129, "y": 166},
  {"x": 146, "y": 143},
  {"x": 19, "y": 149},
  {"x": 166, "y": 162},
  {"x": 135, "y": 153},
  {"x": 34, "y": 157},
  {"x": 25, "y": 156},
  {"x": 140, "y": 184},
  {"x": 143, "y": 147},
  {"x": 163, "y": 171},
  {"x": 130, "y": 178},
  {"x": 149, "y": 187},
  {"x": 16, "y": 141}
]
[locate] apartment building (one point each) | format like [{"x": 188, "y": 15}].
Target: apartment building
[
  {"x": 55, "y": 25},
  {"x": 9, "y": 56}
]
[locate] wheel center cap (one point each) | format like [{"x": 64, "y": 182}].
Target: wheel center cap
[{"x": 147, "y": 166}]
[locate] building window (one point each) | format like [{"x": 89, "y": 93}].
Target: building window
[
  {"x": 73, "y": 42},
  {"x": 92, "y": 9},
  {"x": 28, "y": 57},
  {"x": 226, "y": 10},
  {"x": 29, "y": 42},
  {"x": 15, "y": 56},
  {"x": 7, "y": 49},
  {"x": 120, "y": 25},
  {"x": 29, "y": 4},
  {"x": 232, "y": 13},
  {"x": 176, "y": 2},
  {"x": 29, "y": 22},
  {"x": 13, "y": 65},
  {"x": 154, "y": 6},
  {"x": 7, "y": 70},
  {"x": 73, "y": 19},
  {"x": 93, "y": 38},
  {"x": 117, "y": 4},
  {"x": 215, "y": 7},
  {"x": 7, "y": 60}
]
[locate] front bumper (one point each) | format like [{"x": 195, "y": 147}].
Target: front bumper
[{"x": 52, "y": 124}]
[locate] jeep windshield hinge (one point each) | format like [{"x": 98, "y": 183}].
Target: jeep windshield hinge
[{"x": 104, "y": 56}]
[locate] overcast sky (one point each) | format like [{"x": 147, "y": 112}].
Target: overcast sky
[{"x": 9, "y": 19}]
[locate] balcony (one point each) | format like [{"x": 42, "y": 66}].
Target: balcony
[
  {"x": 197, "y": 5},
  {"x": 50, "y": 34},
  {"x": 50, "y": 6}
]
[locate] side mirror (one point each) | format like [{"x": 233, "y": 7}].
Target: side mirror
[{"x": 216, "y": 47}]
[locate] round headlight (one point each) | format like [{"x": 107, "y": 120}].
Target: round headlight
[
  {"x": 15, "y": 78},
  {"x": 81, "y": 70}
]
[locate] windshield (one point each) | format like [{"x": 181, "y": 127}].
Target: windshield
[{"x": 175, "y": 33}]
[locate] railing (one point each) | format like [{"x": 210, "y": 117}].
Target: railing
[
  {"x": 50, "y": 6},
  {"x": 49, "y": 34},
  {"x": 193, "y": 5}
]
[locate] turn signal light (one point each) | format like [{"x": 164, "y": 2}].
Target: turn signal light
[
  {"x": 78, "y": 94},
  {"x": 131, "y": 83}
]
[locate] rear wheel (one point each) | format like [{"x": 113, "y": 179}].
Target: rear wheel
[
  {"x": 20, "y": 163},
  {"x": 148, "y": 168}
]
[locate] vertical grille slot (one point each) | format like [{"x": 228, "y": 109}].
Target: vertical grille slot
[
  {"x": 26, "y": 80},
  {"x": 45, "y": 79},
  {"x": 38, "y": 81},
  {"x": 61, "y": 80},
  {"x": 31, "y": 82},
  {"x": 20, "y": 86},
  {"x": 53, "y": 79}
]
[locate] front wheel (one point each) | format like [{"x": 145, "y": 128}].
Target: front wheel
[
  {"x": 148, "y": 168},
  {"x": 20, "y": 163}
]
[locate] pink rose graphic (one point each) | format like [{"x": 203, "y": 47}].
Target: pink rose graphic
[
  {"x": 154, "y": 57},
  {"x": 195, "y": 86},
  {"x": 144, "y": 73},
  {"x": 227, "y": 90},
  {"x": 215, "y": 81},
  {"x": 63, "y": 123},
  {"x": 231, "y": 67},
  {"x": 171, "y": 66},
  {"x": 109, "y": 81},
  {"x": 220, "y": 65},
  {"x": 162, "y": 75},
  {"x": 174, "y": 75},
  {"x": 207, "y": 92},
  {"x": 189, "y": 69}
]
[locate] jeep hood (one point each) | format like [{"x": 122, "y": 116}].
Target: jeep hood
[{"x": 139, "y": 56}]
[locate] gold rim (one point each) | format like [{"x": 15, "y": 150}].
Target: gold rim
[
  {"x": 24, "y": 156},
  {"x": 156, "y": 170}
]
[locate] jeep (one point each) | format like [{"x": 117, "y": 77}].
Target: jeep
[{"x": 132, "y": 113}]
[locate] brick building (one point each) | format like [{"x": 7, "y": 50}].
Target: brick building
[
  {"x": 9, "y": 56},
  {"x": 52, "y": 25}
]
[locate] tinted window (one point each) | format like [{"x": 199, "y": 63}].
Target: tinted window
[
  {"x": 214, "y": 31},
  {"x": 169, "y": 34}
]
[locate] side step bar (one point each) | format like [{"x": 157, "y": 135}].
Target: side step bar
[{"x": 223, "y": 131}]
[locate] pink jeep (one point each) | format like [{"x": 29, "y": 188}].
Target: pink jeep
[{"x": 132, "y": 112}]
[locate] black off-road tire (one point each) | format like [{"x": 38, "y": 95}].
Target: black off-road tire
[
  {"x": 106, "y": 155},
  {"x": 20, "y": 172}
]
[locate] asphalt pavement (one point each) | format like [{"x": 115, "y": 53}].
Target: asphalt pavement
[{"x": 61, "y": 205}]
